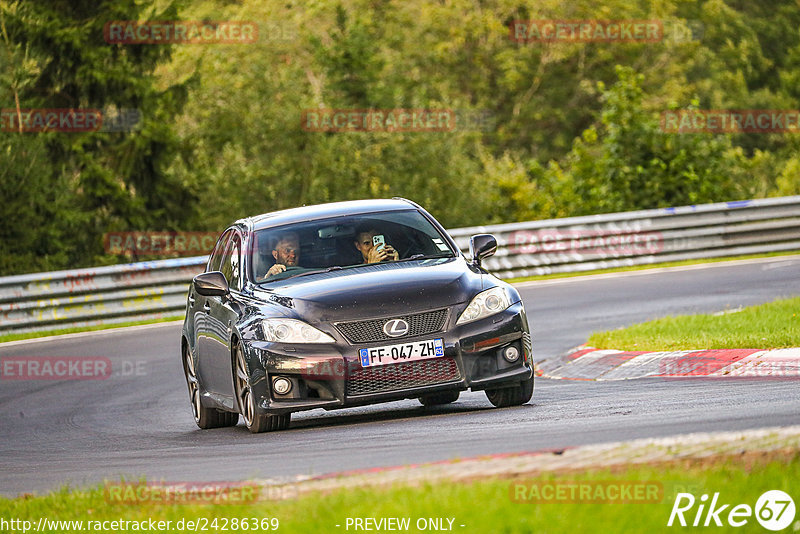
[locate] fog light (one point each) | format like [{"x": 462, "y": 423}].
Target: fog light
[
  {"x": 281, "y": 385},
  {"x": 511, "y": 354}
]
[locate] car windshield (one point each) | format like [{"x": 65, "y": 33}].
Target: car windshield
[{"x": 344, "y": 242}]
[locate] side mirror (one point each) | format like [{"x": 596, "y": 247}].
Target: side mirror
[
  {"x": 482, "y": 246},
  {"x": 211, "y": 284}
]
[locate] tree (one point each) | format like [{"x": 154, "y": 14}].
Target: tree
[
  {"x": 103, "y": 180},
  {"x": 627, "y": 162}
]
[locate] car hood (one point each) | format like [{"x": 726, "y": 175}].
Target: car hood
[{"x": 377, "y": 290}]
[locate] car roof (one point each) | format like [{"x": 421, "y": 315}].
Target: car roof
[{"x": 322, "y": 211}]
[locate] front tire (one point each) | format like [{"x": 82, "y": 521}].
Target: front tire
[
  {"x": 255, "y": 422},
  {"x": 205, "y": 418},
  {"x": 511, "y": 396}
]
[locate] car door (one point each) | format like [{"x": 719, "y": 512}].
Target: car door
[
  {"x": 220, "y": 320},
  {"x": 202, "y": 306}
]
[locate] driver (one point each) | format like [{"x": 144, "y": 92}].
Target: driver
[
  {"x": 286, "y": 253},
  {"x": 369, "y": 252}
]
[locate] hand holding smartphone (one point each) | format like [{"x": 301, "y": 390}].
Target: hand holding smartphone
[{"x": 379, "y": 242}]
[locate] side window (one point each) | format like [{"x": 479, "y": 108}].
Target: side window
[
  {"x": 231, "y": 264},
  {"x": 216, "y": 257}
]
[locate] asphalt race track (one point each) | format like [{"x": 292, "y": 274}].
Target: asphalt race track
[{"x": 138, "y": 421}]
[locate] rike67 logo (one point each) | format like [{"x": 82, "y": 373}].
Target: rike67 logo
[{"x": 774, "y": 510}]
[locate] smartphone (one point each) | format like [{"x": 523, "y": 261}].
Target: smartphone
[{"x": 379, "y": 241}]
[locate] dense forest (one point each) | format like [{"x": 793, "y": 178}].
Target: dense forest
[{"x": 547, "y": 128}]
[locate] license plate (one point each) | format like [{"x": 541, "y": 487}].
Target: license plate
[{"x": 402, "y": 352}]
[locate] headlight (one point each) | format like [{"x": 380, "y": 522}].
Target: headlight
[
  {"x": 293, "y": 331},
  {"x": 484, "y": 304}
]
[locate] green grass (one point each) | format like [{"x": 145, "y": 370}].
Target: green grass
[
  {"x": 768, "y": 326},
  {"x": 73, "y": 330},
  {"x": 481, "y": 506},
  {"x": 649, "y": 266}
]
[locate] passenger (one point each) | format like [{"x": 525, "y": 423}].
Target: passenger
[{"x": 369, "y": 252}]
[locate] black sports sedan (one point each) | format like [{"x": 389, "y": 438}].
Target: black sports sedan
[{"x": 347, "y": 304}]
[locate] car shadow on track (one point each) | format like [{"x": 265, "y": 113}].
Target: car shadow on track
[
  {"x": 319, "y": 419},
  {"x": 383, "y": 415}
]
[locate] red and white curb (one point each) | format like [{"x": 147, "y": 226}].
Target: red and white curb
[{"x": 589, "y": 363}]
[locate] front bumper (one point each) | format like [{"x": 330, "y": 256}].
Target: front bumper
[{"x": 331, "y": 376}]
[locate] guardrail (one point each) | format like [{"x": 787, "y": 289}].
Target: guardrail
[
  {"x": 641, "y": 237},
  {"x": 157, "y": 289},
  {"x": 62, "y": 299}
]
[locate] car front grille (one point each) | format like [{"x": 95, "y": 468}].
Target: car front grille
[
  {"x": 371, "y": 331},
  {"x": 402, "y": 375}
]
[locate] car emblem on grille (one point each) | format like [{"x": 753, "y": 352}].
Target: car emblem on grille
[{"x": 395, "y": 328}]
